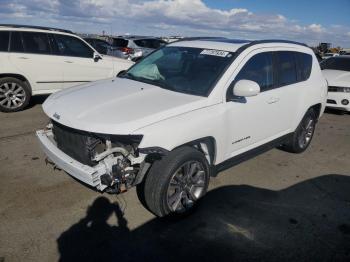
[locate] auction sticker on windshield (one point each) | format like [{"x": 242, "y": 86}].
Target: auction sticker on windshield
[{"x": 214, "y": 52}]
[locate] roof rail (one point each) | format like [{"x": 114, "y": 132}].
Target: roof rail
[
  {"x": 255, "y": 42},
  {"x": 37, "y": 27}
]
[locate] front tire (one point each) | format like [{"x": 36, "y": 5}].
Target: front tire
[
  {"x": 14, "y": 94},
  {"x": 303, "y": 135},
  {"x": 175, "y": 183}
]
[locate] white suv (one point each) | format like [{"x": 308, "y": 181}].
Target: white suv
[
  {"x": 184, "y": 113},
  {"x": 39, "y": 60}
]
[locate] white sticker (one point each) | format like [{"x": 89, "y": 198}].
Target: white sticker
[{"x": 214, "y": 52}]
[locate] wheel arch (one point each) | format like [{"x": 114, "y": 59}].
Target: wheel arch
[
  {"x": 206, "y": 145},
  {"x": 317, "y": 109},
  {"x": 19, "y": 77}
]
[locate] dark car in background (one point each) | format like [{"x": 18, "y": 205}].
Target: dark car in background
[
  {"x": 134, "y": 47},
  {"x": 100, "y": 45}
]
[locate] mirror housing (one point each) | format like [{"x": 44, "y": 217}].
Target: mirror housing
[
  {"x": 97, "y": 57},
  {"x": 246, "y": 88}
]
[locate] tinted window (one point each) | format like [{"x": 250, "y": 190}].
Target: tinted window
[
  {"x": 149, "y": 43},
  {"x": 336, "y": 63},
  {"x": 304, "y": 66},
  {"x": 286, "y": 69},
  {"x": 4, "y": 40},
  {"x": 72, "y": 46},
  {"x": 119, "y": 42},
  {"x": 16, "y": 42},
  {"x": 36, "y": 43},
  {"x": 101, "y": 46},
  {"x": 54, "y": 47},
  {"x": 259, "y": 70}
]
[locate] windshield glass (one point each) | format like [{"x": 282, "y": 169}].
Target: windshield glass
[
  {"x": 336, "y": 63},
  {"x": 182, "y": 69}
]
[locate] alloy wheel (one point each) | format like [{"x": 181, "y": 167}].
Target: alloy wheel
[
  {"x": 12, "y": 95},
  {"x": 186, "y": 186}
]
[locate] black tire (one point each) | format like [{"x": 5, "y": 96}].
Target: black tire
[
  {"x": 303, "y": 135},
  {"x": 154, "y": 191},
  {"x": 14, "y": 94}
]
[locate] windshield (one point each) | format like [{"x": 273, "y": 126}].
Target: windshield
[
  {"x": 336, "y": 63},
  {"x": 182, "y": 69}
]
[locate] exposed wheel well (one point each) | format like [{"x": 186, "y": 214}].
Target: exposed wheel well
[
  {"x": 317, "y": 109},
  {"x": 18, "y": 76},
  {"x": 206, "y": 145}
]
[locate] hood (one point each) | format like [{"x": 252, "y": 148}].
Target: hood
[
  {"x": 117, "y": 106},
  {"x": 337, "y": 77}
]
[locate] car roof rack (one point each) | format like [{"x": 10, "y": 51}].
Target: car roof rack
[
  {"x": 37, "y": 27},
  {"x": 255, "y": 42},
  {"x": 241, "y": 41}
]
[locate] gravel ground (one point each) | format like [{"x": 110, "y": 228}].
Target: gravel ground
[{"x": 275, "y": 207}]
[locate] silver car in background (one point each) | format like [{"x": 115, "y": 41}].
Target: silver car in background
[{"x": 134, "y": 47}]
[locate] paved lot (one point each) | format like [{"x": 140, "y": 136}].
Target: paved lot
[{"x": 276, "y": 207}]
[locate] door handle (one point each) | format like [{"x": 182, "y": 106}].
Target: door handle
[
  {"x": 273, "y": 100},
  {"x": 22, "y": 57},
  {"x": 69, "y": 62}
]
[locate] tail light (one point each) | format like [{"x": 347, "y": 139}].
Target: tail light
[{"x": 127, "y": 50}]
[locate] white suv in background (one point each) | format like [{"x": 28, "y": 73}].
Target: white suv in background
[
  {"x": 39, "y": 60},
  {"x": 183, "y": 113},
  {"x": 337, "y": 72}
]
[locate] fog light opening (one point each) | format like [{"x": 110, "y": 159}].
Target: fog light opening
[{"x": 345, "y": 102}]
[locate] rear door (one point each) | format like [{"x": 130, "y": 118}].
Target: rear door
[
  {"x": 80, "y": 66},
  {"x": 31, "y": 54},
  {"x": 288, "y": 89}
]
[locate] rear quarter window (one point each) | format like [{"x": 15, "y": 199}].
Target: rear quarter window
[
  {"x": 304, "y": 66},
  {"x": 4, "y": 40}
]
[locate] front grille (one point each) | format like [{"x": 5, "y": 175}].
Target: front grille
[
  {"x": 331, "y": 101},
  {"x": 333, "y": 89},
  {"x": 78, "y": 144}
]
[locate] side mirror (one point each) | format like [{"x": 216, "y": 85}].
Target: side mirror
[
  {"x": 246, "y": 88},
  {"x": 97, "y": 57}
]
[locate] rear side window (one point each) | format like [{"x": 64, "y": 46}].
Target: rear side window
[
  {"x": 72, "y": 46},
  {"x": 4, "y": 41},
  {"x": 304, "y": 66},
  {"x": 259, "y": 70},
  {"x": 119, "y": 42},
  {"x": 36, "y": 43},
  {"x": 16, "y": 44},
  {"x": 286, "y": 68}
]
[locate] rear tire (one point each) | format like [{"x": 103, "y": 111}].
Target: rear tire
[
  {"x": 14, "y": 94},
  {"x": 303, "y": 135},
  {"x": 175, "y": 183}
]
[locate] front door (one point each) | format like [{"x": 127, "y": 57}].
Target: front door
[
  {"x": 80, "y": 66},
  {"x": 256, "y": 120}
]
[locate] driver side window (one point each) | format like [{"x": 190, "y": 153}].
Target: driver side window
[
  {"x": 258, "y": 69},
  {"x": 72, "y": 46}
]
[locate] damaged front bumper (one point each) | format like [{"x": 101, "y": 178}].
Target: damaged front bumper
[{"x": 87, "y": 174}]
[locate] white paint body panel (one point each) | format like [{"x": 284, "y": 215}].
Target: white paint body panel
[
  {"x": 168, "y": 119},
  {"x": 47, "y": 74},
  {"x": 341, "y": 79}
]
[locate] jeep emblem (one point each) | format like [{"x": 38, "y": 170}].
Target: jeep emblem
[{"x": 57, "y": 116}]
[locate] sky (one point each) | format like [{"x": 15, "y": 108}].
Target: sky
[{"x": 307, "y": 21}]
